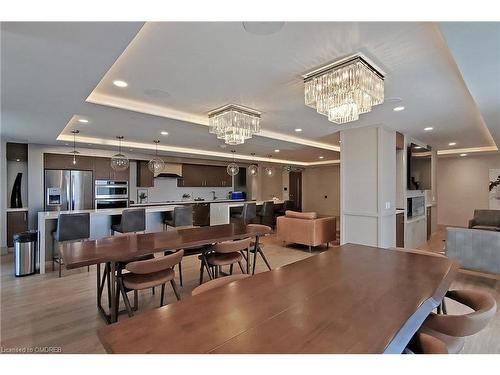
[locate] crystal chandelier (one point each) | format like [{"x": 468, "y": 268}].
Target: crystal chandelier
[
  {"x": 234, "y": 123},
  {"x": 253, "y": 168},
  {"x": 232, "y": 168},
  {"x": 344, "y": 89},
  {"x": 74, "y": 152},
  {"x": 119, "y": 162},
  {"x": 156, "y": 164}
]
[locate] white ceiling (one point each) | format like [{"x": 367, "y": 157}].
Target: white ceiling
[{"x": 183, "y": 70}]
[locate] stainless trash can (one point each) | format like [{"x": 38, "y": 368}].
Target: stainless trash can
[{"x": 25, "y": 253}]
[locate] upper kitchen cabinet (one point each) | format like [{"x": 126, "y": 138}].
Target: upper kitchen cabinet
[
  {"x": 145, "y": 177},
  {"x": 63, "y": 161},
  {"x": 194, "y": 175},
  {"x": 103, "y": 170},
  {"x": 17, "y": 151}
]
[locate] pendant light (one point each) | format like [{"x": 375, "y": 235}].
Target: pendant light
[
  {"x": 232, "y": 168},
  {"x": 74, "y": 152},
  {"x": 253, "y": 169},
  {"x": 269, "y": 171},
  {"x": 119, "y": 162},
  {"x": 156, "y": 164}
]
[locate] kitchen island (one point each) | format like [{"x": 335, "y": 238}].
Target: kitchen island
[{"x": 100, "y": 225}]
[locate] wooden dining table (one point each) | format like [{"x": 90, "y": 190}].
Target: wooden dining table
[
  {"x": 350, "y": 299},
  {"x": 112, "y": 250}
]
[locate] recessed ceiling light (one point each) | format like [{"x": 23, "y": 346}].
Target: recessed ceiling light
[
  {"x": 321, "y": 157},
  {"x": 398, "y": 108},
  {"x": 418, "y": 147},
  {"x": 276, "y": 150},
  {"x": 18, "y": 159},
  {"x": 119, "y": 83},
  {"x": 452, "y": 144},
  {"x": 164, "y": 133},
  {"x": 298, "y": 130},
  {"x": 428, "y": 129},
  {"x": 263, "y": 28},
  {"x": 83, "y": 120},
  {"x": 463, "y": 154}
]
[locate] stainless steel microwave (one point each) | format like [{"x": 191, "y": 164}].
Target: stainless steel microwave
[{"x": 111, "y": 189}]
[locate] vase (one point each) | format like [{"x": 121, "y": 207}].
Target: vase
[{"x": 15, "y": 197}]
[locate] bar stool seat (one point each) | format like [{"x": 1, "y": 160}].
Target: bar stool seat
[
  {"x": 132, "y": 220},
  {"x": 223, "y": 259},
  {"x": 145, "y": 281}
]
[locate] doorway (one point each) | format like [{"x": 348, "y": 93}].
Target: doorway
[{"x": 295, "y": 186}]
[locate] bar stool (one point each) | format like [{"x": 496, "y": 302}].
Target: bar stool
[
  {"x": 259, "y": 249},
  {"x": 287, "y": 205},
  {"x": 266, "y": 214},
  {"x": 216, "y": 283},
  {"x": 145, "y": 274},
  {"x": 182, "y": 217},
  {"x": 70, "y": 227},
  {"x": 225, "y": 253},
  {"x": 248, "y": 214},
  {"x": 132, "y": 220}
]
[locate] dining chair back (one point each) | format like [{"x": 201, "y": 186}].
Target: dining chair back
[
  {"x": 231, "y": 246},
  {"x": 155, "y": 264},
  {"x": 132, "y": 220}
]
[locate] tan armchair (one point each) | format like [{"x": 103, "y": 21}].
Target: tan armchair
[{"x": 306, "y": 228}]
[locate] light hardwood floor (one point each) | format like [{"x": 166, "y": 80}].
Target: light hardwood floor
[{"x": 47, "y": 311}]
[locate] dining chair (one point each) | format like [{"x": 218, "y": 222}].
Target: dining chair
[
  {"x": 131, "y": 221},
  {"x": 259, "y": 249},
  {"x": 70, "y": 227},
  {"x": 422, "y": 343},
  {"x": 145, "y": 274},
  {"x": 225, "y": 253},
  {"x": 452, "y": 329},
  {"x": 216, "y": 283}
]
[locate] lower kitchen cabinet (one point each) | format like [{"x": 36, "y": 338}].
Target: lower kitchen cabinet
[
  {"x": 17, "y": 221},
  {"x": 400, "y": 230}
]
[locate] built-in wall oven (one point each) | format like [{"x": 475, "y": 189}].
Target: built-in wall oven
[{"x": 111, "y": 194}]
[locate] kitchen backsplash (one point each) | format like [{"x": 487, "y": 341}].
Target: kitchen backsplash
[{"x": 166, "y": 189}]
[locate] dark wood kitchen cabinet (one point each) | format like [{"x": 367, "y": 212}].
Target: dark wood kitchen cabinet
[
  {"x": 145, "y": 177},
  {"x": 17, "y": 151},
  {"x": 17, "y": 221},
  {"x": 195, "y": 175},
  {"x": 429, "y": 222},
  {"x": 103, "y": 170},
  {"x": 400, "y": 230},
  {"x": 62, "y": 161}
]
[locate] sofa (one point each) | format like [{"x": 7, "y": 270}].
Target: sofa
[
  {"x": 477, "y": 250},
  {"x": 306, "y": 228},
  {"x": 486, "y": 220}
]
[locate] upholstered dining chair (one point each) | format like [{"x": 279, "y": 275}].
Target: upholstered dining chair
[
  {"x": 131, "y": 221},
  {"x": 225, "y": 253},
  {"x": 452, "y": 329},
  {"x": 216, "y": 283},
  {"x": 259, "y": 249},
  {"x": 145, "y": 274},
  {"x": 422, "y": 343}
]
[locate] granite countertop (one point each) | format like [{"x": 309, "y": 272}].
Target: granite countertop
[
  {"x": 104, "y": 211},
  {"x": 16, "y": 209},
  {"x": 188, "y": 202}
]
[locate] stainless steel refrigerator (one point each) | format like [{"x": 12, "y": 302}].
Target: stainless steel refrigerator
[{"x": 68, "y": 190}]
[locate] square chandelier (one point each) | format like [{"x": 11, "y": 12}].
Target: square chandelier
[
  {"x": 234, "y": 123},
  {"x": 344, "y": 89}
]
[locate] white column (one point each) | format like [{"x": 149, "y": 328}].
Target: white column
[{"x": 368, "y": 186}]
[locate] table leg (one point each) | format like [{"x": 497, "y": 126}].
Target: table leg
[
  {"x": 100, "y": 287},
  {"x": 114, "y": 302},
  {"x": 248, "y": 260}
]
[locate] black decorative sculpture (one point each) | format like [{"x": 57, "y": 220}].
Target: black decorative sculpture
[{"x": 15, "y": 197}]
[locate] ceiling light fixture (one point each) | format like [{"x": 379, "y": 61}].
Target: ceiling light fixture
[
  {"x": 156, "y": 164},
  {"x": 321, "y": 157},
  {"x": 452, "y": 144},
  {"x": 344, "y": 89},
  {"x": 269, "y": 171},
  {"x": 234, "y": 123},
  {"x": 74, "y": 152},
  {"x": 83, "y": 120},
  {"x": 232, "y": 168},
  {"x": 463, "y": 154},
  {"x": 428, "y": 129},
  {"x": 119, "y": 83},
  {"x": 119, "y": 162},
  {"x": 164, "y": 133},
  {"x": 398, "y": 109},
  {"x": 276, "y": 150},
  {"x": 253, "y": 168},
  {"x": 298, "y": 130}
]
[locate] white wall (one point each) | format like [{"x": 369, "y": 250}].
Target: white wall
[
  {"x": 166, "y": 189},
  {"x": 321, "y": 190},
  {"x": 462, "y": 186}
]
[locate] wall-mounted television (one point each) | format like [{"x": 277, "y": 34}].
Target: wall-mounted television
[{"x": 418, "y": 167}]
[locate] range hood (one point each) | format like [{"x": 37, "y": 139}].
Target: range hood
[{"x": 171, "y": 170}]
